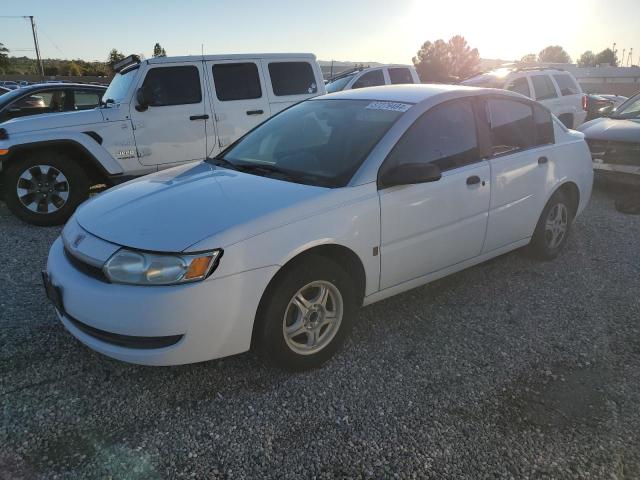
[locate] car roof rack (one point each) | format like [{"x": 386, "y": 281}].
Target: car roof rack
[
  {"x": 125, "y": 62},
  {"x": 532, "y": 69}
]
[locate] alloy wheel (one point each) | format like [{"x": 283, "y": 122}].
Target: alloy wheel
[
  {"x": 43, "y": 189},
  {"x": 556, "y": 225}
]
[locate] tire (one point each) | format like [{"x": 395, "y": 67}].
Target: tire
[
  {"x": 312, "y": 323},
  {"x": 552, "y": 230},
  {"x": 64, "y": 185}
]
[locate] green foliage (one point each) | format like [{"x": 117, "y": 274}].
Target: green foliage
[
  {"x": 4, "y": 56},
  {"x": 554, "y": 54},
  {"x": 158, "y": 51},
  {"x": 53, "y": 67},
  {"x": 607, "y": 56},
  {"x": 114, "y": 57},
  {"x": 529, "y": 58},
  {"x": 445, "y": 62},
  {"x": 587, "y": 59}
]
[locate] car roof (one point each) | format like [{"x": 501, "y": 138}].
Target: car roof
[
  {"x": 235, "y": 56},
  {"x": 49, "y": 86},
  {"x": 410, "y": 93}
]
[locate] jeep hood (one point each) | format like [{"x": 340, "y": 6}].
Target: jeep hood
[
  {"x": 173, "y": 209},
  {"x": 53, "y": 120},
  {"x": 612, "y": 129}
]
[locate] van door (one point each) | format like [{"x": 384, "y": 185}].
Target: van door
[
  {"x": 239, "y": 98},
  {"x": 172, "y": 128}
]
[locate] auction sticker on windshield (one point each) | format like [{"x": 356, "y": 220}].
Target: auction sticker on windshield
[{"x": 394, "y": 106}]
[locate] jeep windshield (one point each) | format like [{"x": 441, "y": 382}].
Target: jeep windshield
[
  {"x": 317, "y": 142},
  {"x": 119, "y": 86}
]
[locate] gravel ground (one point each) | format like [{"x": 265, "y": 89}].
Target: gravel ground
[{"x": 512, "y": 369}]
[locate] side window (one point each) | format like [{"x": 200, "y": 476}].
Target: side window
[
  {"x": 370, "y": 79},
  {"x": 445, "y": 135},
  {"x": 236, "y": 81},
  {"x": 173, "y": 86},
  {"x": 511, "y": 125},
  {"x": 566, "y": 84},
  {"x": 292, "y": 78},
  {"x": 400, "y": 75},
  {"x": 86, "y": 99},
  {"x": 519, "y": 85},
  {"x": 543, "y": 87},
  {"x": 46, "y": 101},
  {"x": 544, "y": 126}
]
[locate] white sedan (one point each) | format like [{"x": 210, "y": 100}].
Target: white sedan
[{"x": 337, "y": 202}]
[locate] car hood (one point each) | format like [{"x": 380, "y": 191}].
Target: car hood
[
  {"x": 173, "y": 209},
  {"x": 53, "y": 120},
  {"x": 612, "y": 129}
]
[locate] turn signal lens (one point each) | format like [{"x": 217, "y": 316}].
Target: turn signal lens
[
  {"x": 199, "y": 267},
  {"x": 4, "y": 151}
]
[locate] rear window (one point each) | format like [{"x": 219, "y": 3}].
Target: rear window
[
  {"x": 400, "y": 76},
  {"x": 543, "y": 87},
  {"x": 236, "y": 81},
  {"x": 370, "y": 79},
  {"x": 292, "y": 78},
  {"x": 512, "y": 126},
  {"x": 566, "y": 84},
  {"x": 173, "y": 86}
]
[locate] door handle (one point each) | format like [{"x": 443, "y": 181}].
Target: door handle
[
  {"x": 199, "y": 117},
  {"x": 542, "y": 160},
  {"x": 473, "y": 179},
  {"x": 255, "y": 112}
]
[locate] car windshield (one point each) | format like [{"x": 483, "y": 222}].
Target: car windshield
[
  {"x": 629, "y": 109},
  {"x": 119, "y": 86},
  {"x": 317, "y": 142},
  {"x": 339, "y": 83}
]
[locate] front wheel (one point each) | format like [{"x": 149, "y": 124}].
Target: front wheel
[
  {"x": 45, "y": 188},
  {"x": 552, "y": 230},
  {"x": 307, "y": 315}
]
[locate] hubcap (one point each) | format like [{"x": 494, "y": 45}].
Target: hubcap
[
  {"x": 556, "y": 225},
  {"x": 312, "y": 317},
  {"x": 43, "y": 189}
]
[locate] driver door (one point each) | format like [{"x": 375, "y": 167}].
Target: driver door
[{"x": 430, "y": 226}]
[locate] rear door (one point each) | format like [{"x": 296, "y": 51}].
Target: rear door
[
  {"x": 172, "y": 128},
  {"x": 521, "y": 154},
  {"x": 290, "y": 81},
  {"x": 570, "y": 97},
  {"x": 545, "y": 92},
  {"x": 239, "y": 98}
]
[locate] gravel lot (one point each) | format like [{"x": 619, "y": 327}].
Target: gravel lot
[{"x": 512, "y": 369}]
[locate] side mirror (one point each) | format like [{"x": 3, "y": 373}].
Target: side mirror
[
  {"x": 143, "y": 99},
  {"x": 606, "y": 111},
  {"x": 409, "y": 174}
]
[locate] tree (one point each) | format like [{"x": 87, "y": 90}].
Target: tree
[
  {"x": 529, "y": 58},
  {"x": 554, "y": 54},
  {"x": 158, "y": 51},
  {"x": 114, "y": 57},
  {"x": 607, "y": 56},
  {"x": 74, "y": 70},
  {"x": 442, "y": 61},
  {"x": 587, "y": 59},
  {"x": 4, "y": 55}
]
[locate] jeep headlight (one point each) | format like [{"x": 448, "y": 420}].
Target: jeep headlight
[{"x": 143, "y": 268}]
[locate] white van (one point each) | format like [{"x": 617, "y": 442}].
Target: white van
[
  {"x": 156, "y": 113},
  {"x": 373, "y": 77}
]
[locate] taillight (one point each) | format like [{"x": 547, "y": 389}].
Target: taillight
[{"x": 584, "y": 103}]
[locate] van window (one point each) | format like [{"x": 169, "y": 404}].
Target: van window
[
  {"x": 173, "y": 86},
  {"x": 292, "y": 78},
  {"x": 370, "y": 79},
  {"x": 511, "y": 125},
  {"x": 444, "y": 135},
  {"x": 519, "y": 85},
  {"x": 543, "y": 86},
  {"x": 400, "y": 76},
  {"x": 566, "y": 84},
  {"x": 236, "y": 81}
]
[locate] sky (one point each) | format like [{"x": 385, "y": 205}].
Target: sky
[{"x": 389, "y": 31}]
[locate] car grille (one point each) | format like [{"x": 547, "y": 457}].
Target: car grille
[
  {"x": 84, "y": 267},
  {"x": 615, "y": 153}
]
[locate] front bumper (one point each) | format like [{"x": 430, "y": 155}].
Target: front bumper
[{"x": 207, "y": 320}]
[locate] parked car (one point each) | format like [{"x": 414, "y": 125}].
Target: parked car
[
  {"x": 10, "y": 85},
  {"x": 557, "y": 90},
  {"x": 336, "y": 202},
  {"x": 615, "y": 142},
  {"x": 373, "y": 76},
  {"x": 181, "y": 108},
  {"x": 4, "y": 90},
  {"x": 594, "y": 105}
]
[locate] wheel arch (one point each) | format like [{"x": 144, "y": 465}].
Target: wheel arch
[{"x": 572, "y": 190}]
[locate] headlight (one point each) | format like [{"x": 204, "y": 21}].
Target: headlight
[{"x": 142, "y": 268}]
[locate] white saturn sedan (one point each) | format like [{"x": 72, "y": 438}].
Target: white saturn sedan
[{"x": 337, "y": 202}]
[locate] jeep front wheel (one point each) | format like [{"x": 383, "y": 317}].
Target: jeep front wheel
[{"x": 45, "y": 188}]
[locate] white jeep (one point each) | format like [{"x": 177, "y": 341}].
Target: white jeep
[{"x": 156, "y": 113}]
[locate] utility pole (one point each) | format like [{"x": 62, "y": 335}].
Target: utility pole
[{"x": 35, "y": 42}]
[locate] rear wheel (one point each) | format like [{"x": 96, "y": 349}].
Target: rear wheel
[
  {"x": 552, "y": 230},
  {"x": 307, "y": 315},
  {"x": 45, "y": 188}
]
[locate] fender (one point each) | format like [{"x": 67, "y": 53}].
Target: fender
[{"x": 101, "y": 158}]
